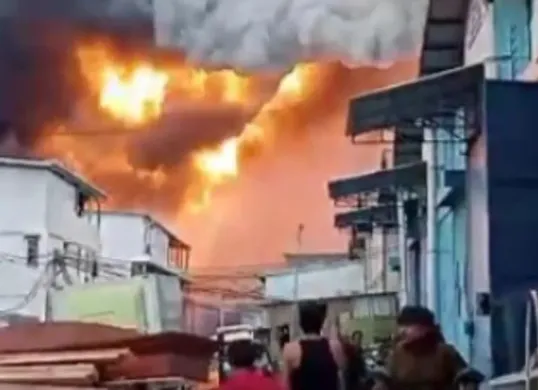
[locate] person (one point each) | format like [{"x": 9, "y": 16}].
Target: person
[
  {"x": 313, "y": 361},
  {"x": 355, "y": 373},
  {"x": 356, "y": 339},
  {"x": 242, "y": 356},
  {"x": 420, "y": 358}
]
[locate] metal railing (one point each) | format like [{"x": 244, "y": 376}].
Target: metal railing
[{"x": 527, "y": 378}]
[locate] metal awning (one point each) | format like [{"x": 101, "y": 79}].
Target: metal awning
[
  {"x": 443, "y": 48},
  {"x": 382, "y": 214},
  {"x": 439, "y": 96},
  {"x": 402, "y": 177},
  {"x": 444, "y": 36}
]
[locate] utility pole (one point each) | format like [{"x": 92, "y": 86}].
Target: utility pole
[
  {"x": 295, "y": 328},
  {"x": 221, "y": 309},
  {"x": 295, "y": 302}
]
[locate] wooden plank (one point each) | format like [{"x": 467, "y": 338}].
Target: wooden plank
[
  {"x": 86, "y": 356},
  {"x": 157, "y": 366},
  {"x": 172, "y": 380},
  {"x": 52, "y": 374},
  {"x": 16, "y": 386}
]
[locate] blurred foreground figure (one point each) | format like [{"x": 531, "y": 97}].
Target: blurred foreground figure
[
  {"x": 313, "y": 362},
  {"x": 355, "y": 373},
  {"x": 420, "y": 358},
  {"x": 242, "y": 356}
]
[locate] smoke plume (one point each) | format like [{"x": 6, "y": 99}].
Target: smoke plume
[
  {"x": 188, "y": 127},
  {"x": 280, "y": 33},
  {"x": 41, "y": 84}
]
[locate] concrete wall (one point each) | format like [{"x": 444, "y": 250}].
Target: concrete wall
[
  {"x": 479, "y": 40},
  {"x": 36, "y": 202},
  {"x": 149, "y": 303},
  {"x": 336, "y": 280},
  {"x": 130, "y": 236}
]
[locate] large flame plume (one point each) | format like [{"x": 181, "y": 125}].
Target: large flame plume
[
  {"x": 177, "y": 141},
  {"x": 134, "y": 95}
]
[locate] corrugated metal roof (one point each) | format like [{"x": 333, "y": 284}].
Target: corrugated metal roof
[
  {"x": 384, "y": 214},
  {"x": 444, "y": 36},
  {"x": 57, "y": 169},
  {"x": 443, "y": 48},
  {"x": 407, "y": 176}
]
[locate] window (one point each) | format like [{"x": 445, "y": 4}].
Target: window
[
  {"x": 32, "y": 250},
  {"x": 80, "y": 203},
  {"x": 94, "y": 270}
]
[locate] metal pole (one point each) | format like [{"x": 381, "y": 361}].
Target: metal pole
[
  {"x": 296, "y": 302},
  {"x": 221, "y": 310},
  {"x": 430, "y": 155},
  {"x": 402, "y": 250},
  {"x": 385, "y": 257}
]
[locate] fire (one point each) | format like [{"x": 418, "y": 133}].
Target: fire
[
  {"x": 135, "y": 96},
  {"x": 136, "y": 92}
]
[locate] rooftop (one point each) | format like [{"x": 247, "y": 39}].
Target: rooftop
[
  {"x": 311, "y": 267},
  {"x": 305, "y": 258},
  {"x": 58, "y": 169},
  {"x": 174, "y": 240}
]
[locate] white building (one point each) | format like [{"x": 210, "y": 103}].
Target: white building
[
  {"x": 131, "y": 236},
  {"x": 43, "y": 209},
  {"x": 329, "y": 276}
]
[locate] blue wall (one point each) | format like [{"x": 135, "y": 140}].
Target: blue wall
[
  {"x": 512, "y": 35},
  {"x": 451, "y": 219},
  {"x": 511, "y": 154}
]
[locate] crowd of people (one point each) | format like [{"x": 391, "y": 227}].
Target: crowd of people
[{"x": 419, "y": 359}]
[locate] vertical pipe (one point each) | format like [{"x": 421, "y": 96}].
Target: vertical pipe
[
  {"x": 295, "y": 319},
  {"x": 429, "y": 154},
  {"x": 402, "y": 250},
  {"x": 384, "y": 257}
]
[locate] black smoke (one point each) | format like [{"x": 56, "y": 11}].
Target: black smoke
[{"x": 39, "y": 80}]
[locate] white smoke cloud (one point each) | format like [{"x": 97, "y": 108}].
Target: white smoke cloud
[{"x": 254, "y": 34}]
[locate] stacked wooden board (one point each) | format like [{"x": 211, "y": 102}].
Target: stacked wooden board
[
  {"x": 72, "y": 368},
  {"x": 79, "y": 355}
]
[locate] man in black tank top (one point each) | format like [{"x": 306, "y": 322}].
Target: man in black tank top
[{"x": 313, "y": 362}]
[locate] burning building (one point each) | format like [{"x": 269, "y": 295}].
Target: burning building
[{"x": 209, "y": 149}]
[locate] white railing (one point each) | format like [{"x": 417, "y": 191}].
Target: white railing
[{"x": 527, "y": 378}]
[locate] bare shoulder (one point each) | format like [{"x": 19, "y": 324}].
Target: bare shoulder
[
  {"x": 336, "y": 344},
  {"x": 291, "y": 350}
]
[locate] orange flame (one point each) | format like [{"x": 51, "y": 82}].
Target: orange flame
[
  {"x": 136, "y": 93},
  {"x": 136, "y": 97}
]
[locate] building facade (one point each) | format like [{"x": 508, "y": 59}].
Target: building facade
[
  {"x": 44, "y": 214},
  {"x": 325, "y": 276},
  {"x": 131, "y": 236},
  {"x": 466, "y": 247}
]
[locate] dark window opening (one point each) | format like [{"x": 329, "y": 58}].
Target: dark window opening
[
  {"x": 80, "y": 206},
  {"x": 32, "y": 250},
  {"x": 94, "y": 272}
]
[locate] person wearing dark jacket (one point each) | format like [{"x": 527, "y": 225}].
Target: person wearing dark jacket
[{"x": 420, "y": 358}]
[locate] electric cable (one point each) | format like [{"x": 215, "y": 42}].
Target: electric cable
[{"x": 44, "y": 280}]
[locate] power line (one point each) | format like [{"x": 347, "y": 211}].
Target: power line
[{"x": 44, "y": 280}]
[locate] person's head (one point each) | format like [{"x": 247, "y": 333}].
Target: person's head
[
  {"x": 312, "y": 316},
  {"x": 356, "y": 338},
  {"x": 242, "y": 354},
  {"x": 414, "y": 321}
]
